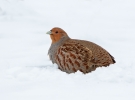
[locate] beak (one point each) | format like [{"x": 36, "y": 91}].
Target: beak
[{"x": 49, "y": 32}]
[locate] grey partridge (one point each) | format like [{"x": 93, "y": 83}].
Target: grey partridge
[{"x": 72, "y": 55}]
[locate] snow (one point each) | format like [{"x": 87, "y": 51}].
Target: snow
[{"x": 26, "y": 73}]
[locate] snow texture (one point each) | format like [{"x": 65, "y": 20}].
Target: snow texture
[{"x": 26, "y": 73}]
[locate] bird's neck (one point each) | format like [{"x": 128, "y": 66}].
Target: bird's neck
[{"x": 61, "y": 41}]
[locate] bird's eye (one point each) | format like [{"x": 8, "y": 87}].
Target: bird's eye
[{"x": 56, "y": 32}]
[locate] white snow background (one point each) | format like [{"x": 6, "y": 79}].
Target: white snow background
[{"x": 26, "y": 73}]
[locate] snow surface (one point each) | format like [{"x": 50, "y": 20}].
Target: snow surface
[{"x": 26, "y": 73}]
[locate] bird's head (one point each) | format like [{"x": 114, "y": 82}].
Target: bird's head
[{"x": 56, "y": 34}]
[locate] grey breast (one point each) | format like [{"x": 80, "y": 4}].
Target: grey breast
[{"x": 54, "y": 47}]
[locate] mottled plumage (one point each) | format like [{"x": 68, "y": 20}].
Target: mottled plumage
[{"x": 72, "y": 55}]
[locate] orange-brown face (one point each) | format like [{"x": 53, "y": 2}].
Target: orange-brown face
[{"x": 56, "y": 34}]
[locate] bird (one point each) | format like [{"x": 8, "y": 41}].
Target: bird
[{"x": 72, "y": 55}]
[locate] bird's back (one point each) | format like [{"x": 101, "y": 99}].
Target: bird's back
[{"x": 99, "y": 55}]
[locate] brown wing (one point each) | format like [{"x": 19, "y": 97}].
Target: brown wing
[
  {"x": 100, "y": 57},
  {"x": 73, "y": 56},
  {"x": 82, "y": 55}
]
